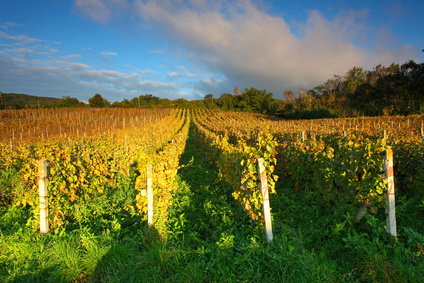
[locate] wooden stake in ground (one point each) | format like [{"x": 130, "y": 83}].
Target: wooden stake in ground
[
  {"x": 263, "y": 188},
  {"x": 390, "y": 193},
  {"x": 149, "y": 176},
  {"x": 44, "y": 208}
]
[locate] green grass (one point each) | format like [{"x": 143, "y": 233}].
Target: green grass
[{"x": 210, "y": 238}]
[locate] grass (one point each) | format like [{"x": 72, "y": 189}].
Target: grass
[{"x": 210, "y": 238}]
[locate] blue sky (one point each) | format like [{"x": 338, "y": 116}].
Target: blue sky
[{"x": 187, "y": 49}]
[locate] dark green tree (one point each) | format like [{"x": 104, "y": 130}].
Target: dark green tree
[
  {"x": 226, "y": 101},
  {"x": 209, "y": 101},
  {"x": 97, "y": 101},
  {"x": 254, "y": 100},
  {"x": 68, "y": 102},
  {"x": 181, "y": 103},
  {"x": 413, "y": 75},
  {"x": 165, "y": 103}
]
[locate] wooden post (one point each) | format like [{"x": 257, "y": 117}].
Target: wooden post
[
  {"x": 44, "y": 208},
  {"x": 302, "y": 136},
  {"x": 390, "y": 193},
  {"x": 263, "y": 188},
  {"x": 149, "y": 176}
]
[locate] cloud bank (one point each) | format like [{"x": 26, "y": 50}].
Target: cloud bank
[
  {"x": 29, "y": 65},
  {"x": 251, "y": 47}
]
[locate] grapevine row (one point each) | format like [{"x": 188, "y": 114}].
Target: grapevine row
[
  {"x": 237, "y": 162},
  {"x": 82, "y": 168},
  {"x": 339, "y": 160}
]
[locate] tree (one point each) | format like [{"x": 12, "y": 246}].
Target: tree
[
  {"x": 254, "y": 100},
  {"x": 305, "y": 99},
  {"x": 68, "y": 102},
  {"x": 149, "y": 99},
  {"x": 413, "y": 74},
  {"x": 236, "y": 91},
  {"x": 352, "y": 80},
  {"x": 208, "y": 101},
  {"x": 97, "y": 101},
  {"x": 181, "y": 103},
  {"x": 165, "y": 103},
  {"x": 226, "y": 101},
  {"x": 145, "y": 100},
  {"x": 289, "y": 96},
  {"x": 126, "y": 103}
]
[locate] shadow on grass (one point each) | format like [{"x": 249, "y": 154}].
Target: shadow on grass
[{"x": 204, "y": 210}]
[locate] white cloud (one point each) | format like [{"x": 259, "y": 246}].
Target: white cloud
[
  {"x": 18, "y": 39},
  {"x": 76, "y": 65},
  {"x": 251, "y": 47},
  {"x": 59, "y": 78},
  {"x": 23, "y": 50},
  {"x": 157, "y": 51},
  {"x": 32, "y": 66},
  {"x": 107, "y": 53},
  {"x": 101, "y": 11},
  {"x": 147, "y": 71},
  {"x": 183, "y": 73},
  {"x": 72, "y": 56},
  {"x": 7, "y": 25}
]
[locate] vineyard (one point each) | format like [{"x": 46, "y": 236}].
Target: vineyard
[{"x": 325, "y": 178}]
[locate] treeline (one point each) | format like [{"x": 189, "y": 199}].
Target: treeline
[{"x": 393, "y": 90}]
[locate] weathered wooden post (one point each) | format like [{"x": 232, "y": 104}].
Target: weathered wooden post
[
  {"x": 390, "y": 193},
  {"x": 149, "y": 176},
  {"x": 263, "y": 188},
  {"x": 42, "y": 185}
]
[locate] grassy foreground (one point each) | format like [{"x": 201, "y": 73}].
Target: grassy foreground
[{"x": 210, "y": 238}]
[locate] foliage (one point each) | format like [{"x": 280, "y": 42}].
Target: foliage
[
  {"x": 204, "y": 163},
  {"x": 83, "y": 169},
  {"x": 97, "y": 101},
  {"x": 68, "y": 102},
  {"x": 237, "y": 162},
  {"x": 335, "y": 168},
  {"x": 392, "y": 90},
  {"x": 20, "y": 101}
]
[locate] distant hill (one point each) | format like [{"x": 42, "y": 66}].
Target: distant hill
[{"x": 19, "y": 101}]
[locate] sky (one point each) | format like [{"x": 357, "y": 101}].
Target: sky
[{"x": 190, "y": 48}]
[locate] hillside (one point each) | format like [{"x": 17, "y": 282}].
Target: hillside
[{"x": 18, "y": 101}]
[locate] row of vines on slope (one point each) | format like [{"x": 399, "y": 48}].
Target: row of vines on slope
[
  {"x": 165, "y": 163},
  {"x": 83, "y": 168},
  {"x": 339, "y": 160},
  {"x": 237, "y": 161},
  {"x": 31, "y": 126}
]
